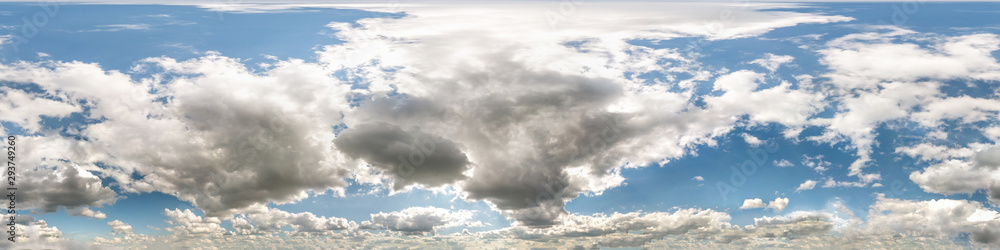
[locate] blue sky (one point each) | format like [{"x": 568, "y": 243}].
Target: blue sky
[{"x": 216, "y": 124}]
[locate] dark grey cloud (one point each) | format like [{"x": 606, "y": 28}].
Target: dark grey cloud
[
  {"x": 408, "y": 157},
  {"x": 988, "y": 158},
  {"x": 227, "y": 138},
  {"x": 49, "y": 188}
]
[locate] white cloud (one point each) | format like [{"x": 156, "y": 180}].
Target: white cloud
[
  {"x": 857, "y": 62},
  {"x": 881, "y": 77},
  {"x": 752, "y": 203},
  {"x": 87, "y": 212},
  {"x": 683, "y": 228},
  {"x": 50, "y": 187},
  {"x": 35, "y": 234},
  {"x": 936, "y": 217},
  {"x": 186, "y": 147},
  {"x": 771, "y": 62},
  {"x": 831, "y": 183},
  {"x": 793, "y": 217},
  {"x": 807, "y": 185},
  {"x": 608, "y": 229},
  {"x": 964, "y": 109},
  {"x": 931, "y": 152},
  {"x": 779, "y": 104},
  {"x": 783, "y": 163},
  {"x": 186, "y": 224},
  {"x": 270, "y": 220},
  {"x": 230, "y": 139},
  {"x": 486, "y": 145},
  {"x": 698, "y": 178},
  {"x": 119, "y": 227},
  {"x": 545, "y": 123},
  {"x": 122, "y": 236},
  {"x": 992, "y": 133},
  {"x": 816, "y": 163},
  {"x": 419, "y": 220},
  {"x": 594, "y": 117},
  {"x": 779, "y": 204},
  {"x": 753, "y": 141},
  {"x": 4, "y": 39},
  {"x": 26, "y": 110},
  {"x": 120, "y": 27},
  {"x": 957, "y": 170},
  {"x": 952, "y": 176},
  {"x": 214, "y": 83}
]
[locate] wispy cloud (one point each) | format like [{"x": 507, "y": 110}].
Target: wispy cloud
[{"x": 120, "y": 27}]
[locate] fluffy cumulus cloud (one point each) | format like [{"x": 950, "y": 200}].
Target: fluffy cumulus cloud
[
  {"x": 783, "y": 163},
  {"x": 269, "y": 220},
  {"x": 806, "y": 185},
  {"x": 772, "y": 61},
  {"x": 958, "y": 170},
  {"x": 752, "y": 203},
  {"x": 778, "y": 204},
  {"x": 269, "y": 139},
  {"x": 220, "y": 149},
  {"x": 37, "y": 234},
  {"x": 546, "y": 122},
  {"x": 26, "y": 110},
  {"x": 864, "y": 60},
  {"x": 753, "y": 141},
  {"x": 867, "y": 65},
  {"x": 528, "y": 124},
  {"x": 418, "y": 220},
  {"x": 87, "y": 212},
  {"x": 887, "y": 220},
  {"x": 49, "y": 188},
  {"x": 187, "y": 224},
  {"x": 523, "y": 123},
  {"x": 119, "y": 227},
  {"x": 608, "y": 230},
  {"x": 122, "y": 236},
  {"x": 937, "y": 217}
]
